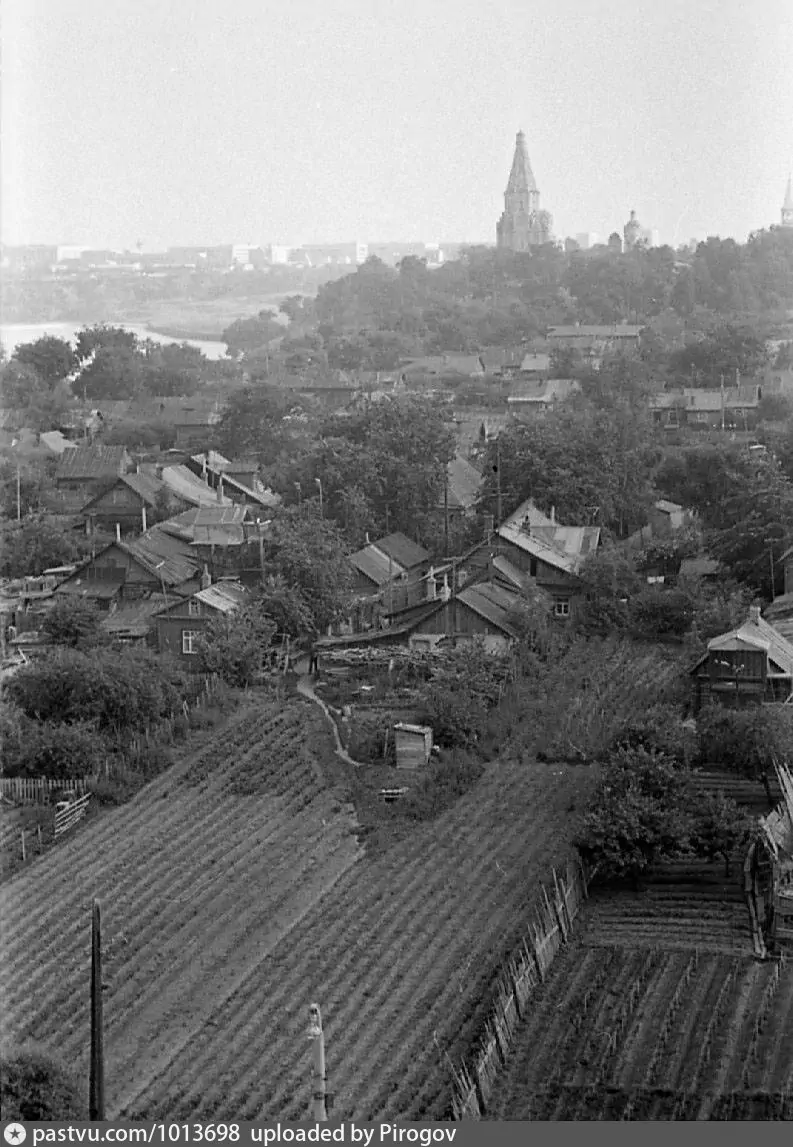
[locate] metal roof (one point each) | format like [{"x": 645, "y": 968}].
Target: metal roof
[
  {"x": 225, "y": 597},
  {"x": 375, "y": 565},
  {"x": 570, "y": 545},
  {"x": 668, "y": 507},
  {"x": 463, "y": 484},
  {"x": 162, "y": 554},
  {"x": 133, "y": 618},
  {"x": 617, "y": 330},
  {"x": 492, "y": 602},
  {"x": 756, "y": 632},
  {"x": 403, "y": 551},
  {"x": 545, "y": 391},
  {"x": 190, "y": 488}
]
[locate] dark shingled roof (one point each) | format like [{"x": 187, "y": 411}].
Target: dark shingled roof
[
  {"x": 91, "y": 462},
  {"x": 403, "y": 551}
]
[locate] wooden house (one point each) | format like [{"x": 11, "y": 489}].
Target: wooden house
[
  {"x": 538, "y": 546},
  {"x": 480, "y": 613},
  {"x": 413, "y": 744},
  {"x": 132, "y": 503},
  {"x": 749, "y": 665},
  {"x": 180, "y": 624},
  {"x": 195, "y": 422},
  {"x": 134, "y": 569},
  {"x": 85, "y": 471}
]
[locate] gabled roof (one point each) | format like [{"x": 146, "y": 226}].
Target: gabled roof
[
  {"x": 213, "y": 459},
  {"x": 563, "y": 547},
  {"x": 463, "y": 484},
  {"x": 702, "y": 400},
  {"x": 527, "y": 514},
  {"x": 224, "y": 596},
  {"x": 533, "y": 361},
  {"x": 190, "y": 488},
  {"x": 780, "y": 607},
  {"x": 91, "y": 462},
  {"x": 668, "y": 507},
  {"x": 374, "y": 564},
  {"x": 543, "y": 392},
  {"x": 55, "y": 442},
  {"x": 402, "y": 550},
  {"x": 756, "y": 633},
  {"x": 504, "y": 568},
  {"x": 492, "y": 602},
  {"x": 146, "y": 486},
  {"x": 162, "y": 554},
  {"x": 133, "y": 618}
]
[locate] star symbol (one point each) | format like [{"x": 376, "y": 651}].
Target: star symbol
[{"x": 14, "y": 1133}]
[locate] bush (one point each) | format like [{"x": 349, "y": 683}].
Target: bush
[
  {"x": 746, "y": 740},
  {"x": 118, "y": 789},
  {"x": 35, "y": 1086},
  {"x": 117, "y": 690},
  {"x": 440, "y": 785},
  {"x": 720, "y": 828},
  {"x": 56, "y": 750},
  {"x": 658, "y": 729},
  {"x": 657, "y": 613}
]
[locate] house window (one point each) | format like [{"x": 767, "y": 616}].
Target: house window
[
  {"x": 532, "y": 567},
  {"x": 193, "y": 607},
  {"x": 561, "y": 606},
  {"x": 188, "y": 640}
]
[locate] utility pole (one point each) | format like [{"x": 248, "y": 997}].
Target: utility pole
[
  {"x": 315, "y": 1034},
  {"x": 19, "y": 497},
  {"x": 96, "y": 1084},
  {"x": 498, "y": 480},
  {"x": 771, "y": 566},
  {"x": 319, "y": 484},
  {"x": 722, "y": 404},
  {"x": 446, "y": 516}
]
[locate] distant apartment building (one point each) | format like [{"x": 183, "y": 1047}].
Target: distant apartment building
[
  {"x": 33, "y": 257},
  {"x": 332, "y": 254},
  {"x": 586, "y": 239}
]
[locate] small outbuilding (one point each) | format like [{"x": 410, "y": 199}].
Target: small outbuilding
[
  {"x": 413, "y": 745},
  {"x": 749, "y": 665}
]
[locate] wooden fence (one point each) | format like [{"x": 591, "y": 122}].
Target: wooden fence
[
  {"x": 37, "y": 790},
  {"x": 556, "y": 910},
  {"x": 68, "y": 815}
]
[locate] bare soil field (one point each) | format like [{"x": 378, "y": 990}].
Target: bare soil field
[
  {"x": 621, "y": 1032},
  {"x": 235, "y": 892}
]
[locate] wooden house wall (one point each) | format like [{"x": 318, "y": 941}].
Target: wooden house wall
[{"x": 744, "y": 681}]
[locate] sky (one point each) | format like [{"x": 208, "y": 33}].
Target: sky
[{"x": 170, "y": 122}]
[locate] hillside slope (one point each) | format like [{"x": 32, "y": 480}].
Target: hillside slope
[{"x": 199, "y": 878}]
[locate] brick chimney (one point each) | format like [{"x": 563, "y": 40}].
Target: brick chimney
[
  {"x": 220, "y": 488},
  {"x": 206, "y": 579},
  {"x": 553, "y": 514},
  {"x": 754, "y": 614},
  {"x": 118, "y": 531}
]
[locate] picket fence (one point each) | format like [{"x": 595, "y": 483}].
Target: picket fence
[
  {"x": 472, "y": 1085},
  {"x": 37, "y": 790}
]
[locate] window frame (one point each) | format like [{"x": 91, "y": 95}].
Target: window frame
[{"x": 188, "y": 639}]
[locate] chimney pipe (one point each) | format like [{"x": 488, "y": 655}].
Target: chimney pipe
[
  {"x": 754, "y": 614},
  {"x": 220, "y": 488},
  {"x": 143, "y": 518},
  {"x": 553, "y": 514},
  {"x": 118, "y": 531}
]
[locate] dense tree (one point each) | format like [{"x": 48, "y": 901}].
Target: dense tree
[
  {"x": 238, "y": 647},
  {"x": 729, "y": 352},
  {"x": 246, "y": 335},
  {"x": 310, "y": 556},
  {"x": 253, "y": 424},
  {"x": 74, "y": 622},
  {"x": 104, "y": 337},
  {"x": 52, "y": 359},
  {"x": 36, "y": 543},
  {"x": 639, "y": 817},
  {"x": 112, "y": 373}
]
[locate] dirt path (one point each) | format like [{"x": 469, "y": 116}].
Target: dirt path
[{"x": 304, "y": 688}]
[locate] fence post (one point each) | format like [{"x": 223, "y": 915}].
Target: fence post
[
  {"x": 38, "y": 832},
  {"x": 24, "y": 856}
]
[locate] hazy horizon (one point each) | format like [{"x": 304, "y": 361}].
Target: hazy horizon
[{"x": 173, "y": 122}]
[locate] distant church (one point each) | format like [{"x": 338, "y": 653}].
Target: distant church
[
  {"x": 787, "y": 206},
  {"x": 523, "y": 225}
]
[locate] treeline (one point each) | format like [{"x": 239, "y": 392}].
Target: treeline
[{"x": 487, "y": 297}]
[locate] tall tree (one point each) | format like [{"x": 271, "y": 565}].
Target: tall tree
[{"x": 52, "y": 359}]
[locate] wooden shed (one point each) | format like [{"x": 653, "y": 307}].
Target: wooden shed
[
  {"x": 413, "y": 745},
  {"x": 748, "y": 665}
]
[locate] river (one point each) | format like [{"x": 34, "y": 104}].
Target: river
[{"x": 12, "y": 334}]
